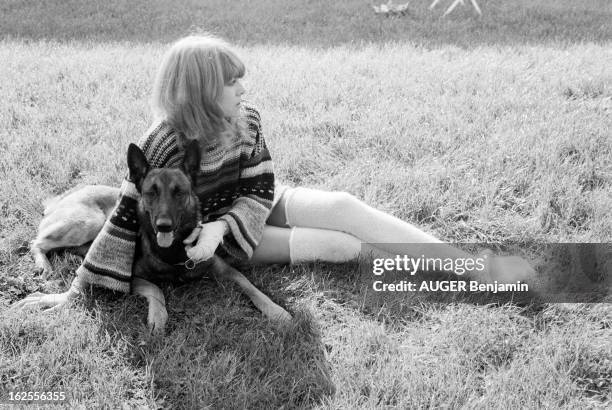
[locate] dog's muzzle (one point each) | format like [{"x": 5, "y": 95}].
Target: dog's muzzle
[{"x": 164, "y": 233}]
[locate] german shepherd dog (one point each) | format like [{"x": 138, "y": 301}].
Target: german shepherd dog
[{"x": 168, "y": 212}]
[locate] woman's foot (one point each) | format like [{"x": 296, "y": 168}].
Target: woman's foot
[{"x": 507, "y": 269}]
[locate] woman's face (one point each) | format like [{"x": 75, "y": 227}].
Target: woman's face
[{"x": 231, "y": 98}]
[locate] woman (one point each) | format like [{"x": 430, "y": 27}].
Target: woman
[{"x": 198, "y": 96}]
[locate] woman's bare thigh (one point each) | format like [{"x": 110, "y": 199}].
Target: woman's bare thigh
[
  {"x": 277, "y": 215},
  {"x": 274, "y": 246}
]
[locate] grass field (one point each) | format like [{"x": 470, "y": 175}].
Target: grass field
[
  {"x": 312, "y": 23},
  {"x": 478, "y": 130}
]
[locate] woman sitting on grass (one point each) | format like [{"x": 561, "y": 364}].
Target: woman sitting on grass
[{"x": 247, "y": 216}]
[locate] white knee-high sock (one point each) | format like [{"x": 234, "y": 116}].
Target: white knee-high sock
[
  {"x": 343, "y": 212},
  {"x": 340, "y": 211},
  {"x": 310, "y": 245}
]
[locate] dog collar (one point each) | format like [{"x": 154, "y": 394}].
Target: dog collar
[{"x": 188, "y": 264}]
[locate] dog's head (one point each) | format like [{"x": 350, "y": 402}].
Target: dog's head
[{"x": 167, "y": 196}]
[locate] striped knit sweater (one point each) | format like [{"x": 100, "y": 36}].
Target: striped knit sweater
[{"x": 235, "y": 184}]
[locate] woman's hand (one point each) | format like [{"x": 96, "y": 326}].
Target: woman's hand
[{"x": 209, "y": 236}]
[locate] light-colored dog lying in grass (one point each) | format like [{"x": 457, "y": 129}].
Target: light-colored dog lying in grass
[{"x": 72, "y": 220}]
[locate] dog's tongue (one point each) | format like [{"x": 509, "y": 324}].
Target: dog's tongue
[{"x": 165, "y": 239}]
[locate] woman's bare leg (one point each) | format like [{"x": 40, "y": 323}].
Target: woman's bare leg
[
  {"x": 278, "y": 215},
  {"x": 273, "y": 247}
]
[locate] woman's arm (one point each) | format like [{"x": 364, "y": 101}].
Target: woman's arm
[{"x": 248, "y": 213}]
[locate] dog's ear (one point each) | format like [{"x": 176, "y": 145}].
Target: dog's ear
[
  {"x": 191, "y": 161},
  {"x": 138, "y": 165}
]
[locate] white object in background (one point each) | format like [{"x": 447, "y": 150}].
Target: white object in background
[
  {"x": 455, "y": 4},
  {"x": 391, "y": 8}
]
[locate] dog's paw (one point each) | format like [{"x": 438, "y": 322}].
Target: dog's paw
[
  {"x": 43, "y": 269},
  {"x": 39, "y": 300},
  {"x": 277, "y": 314},
  {"x": 157, "y": 318}
]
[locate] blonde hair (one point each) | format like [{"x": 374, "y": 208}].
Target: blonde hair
[{"x": 188, "y": 85}]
